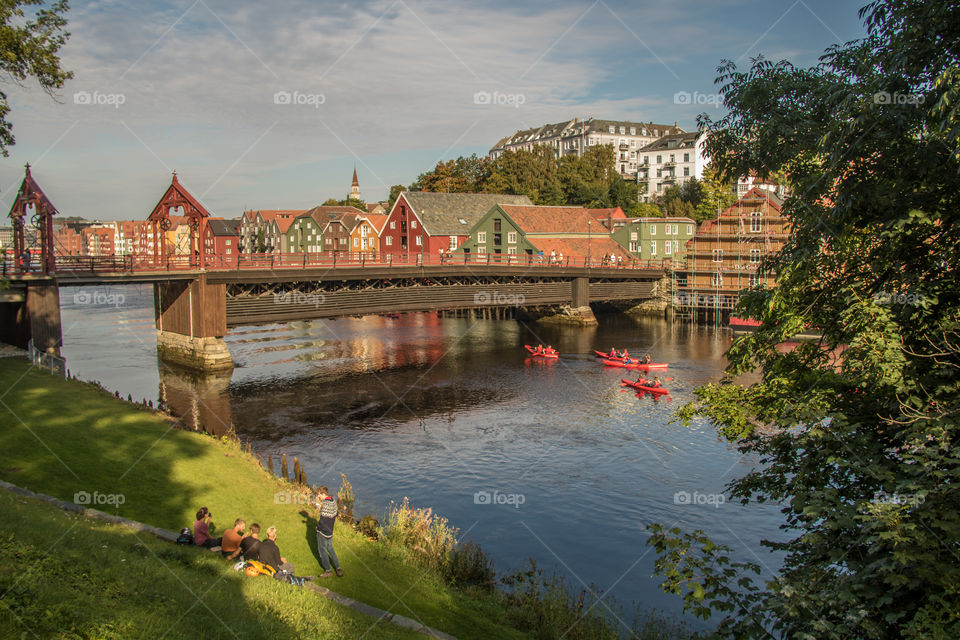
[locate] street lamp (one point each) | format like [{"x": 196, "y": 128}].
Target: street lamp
[{"x": 589, "y": 239}]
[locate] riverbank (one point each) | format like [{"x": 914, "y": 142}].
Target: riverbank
[{"x": 76, "y": 442}]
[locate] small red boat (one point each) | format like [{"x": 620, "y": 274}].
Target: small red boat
[
  {"x": 545, "y": 354},
  {"x": 657, "y": 391},
  {"x": 601, "y": 354},
  {"x": 639, "y": 367}
]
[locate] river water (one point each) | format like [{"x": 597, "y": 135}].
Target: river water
[{"x": 545, "y": 460}]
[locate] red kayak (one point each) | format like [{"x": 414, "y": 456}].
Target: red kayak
[
  {"x": 657, "y": 391},
  {"x": 638, "y": 367},
  {"x": 536, "y": 354}
]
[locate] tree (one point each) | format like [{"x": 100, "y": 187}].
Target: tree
[
  {"x": 29, "y": 48},
  {"x": 717, "y": 195},
  {"x": 463, "y": 175},
  {"x": 395, "y": 192},
  {"x": 346, "y": 202},
  {"x": 857, "y": 432}
]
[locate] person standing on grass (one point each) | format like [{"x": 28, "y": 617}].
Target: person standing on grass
[
  {"x": 230, "y": 543},
  {"x": 325, "y": 520},
  {"x": 201, "y": 529}
]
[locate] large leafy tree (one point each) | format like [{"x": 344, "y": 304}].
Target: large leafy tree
[
  {"x": 31, "y": 35},
  {"x": 859, "y": 432}
]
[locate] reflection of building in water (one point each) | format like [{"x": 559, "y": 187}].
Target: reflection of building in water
[{"x": 201, "y": 401}]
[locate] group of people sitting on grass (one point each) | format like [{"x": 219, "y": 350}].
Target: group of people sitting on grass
[{"x": 247, "y": 546}]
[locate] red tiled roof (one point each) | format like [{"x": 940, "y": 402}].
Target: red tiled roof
[
  {"x": 271, "y": 214},
  {"x": 602, "y": 214},
  {"x": 534, "y": 219},
  {"x": 579, "y": 248},
  {"x": 377, "y": 221}
]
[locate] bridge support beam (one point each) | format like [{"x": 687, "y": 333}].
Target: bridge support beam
[
  {"x": 191, "y": 322},
  {"x": 578, "y": 313},
  {"x": 32, "y": 312}
]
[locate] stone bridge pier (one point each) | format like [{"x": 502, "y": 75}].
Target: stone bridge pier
[{"x": 191, "y": 322}]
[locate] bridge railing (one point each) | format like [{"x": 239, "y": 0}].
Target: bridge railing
[{"x": 254, "y": 261}]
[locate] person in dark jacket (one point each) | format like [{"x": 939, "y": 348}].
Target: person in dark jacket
[
  {"x": 269, "y": 552},
  {"x": 325, "y": 519},
  {"x": 250, "y": 545}
]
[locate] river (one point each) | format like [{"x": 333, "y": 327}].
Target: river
[{"x": 549, "y": 460}]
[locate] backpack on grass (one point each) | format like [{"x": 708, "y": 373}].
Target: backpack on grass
[
  {"x": 256, "y": 568},
  {"x": 185, "y": 536}
]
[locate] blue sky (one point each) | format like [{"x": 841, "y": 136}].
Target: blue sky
[{"x": 270, "y": 105}]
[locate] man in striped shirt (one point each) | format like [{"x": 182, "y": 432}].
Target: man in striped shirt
[{"x": 325, "y": 519}]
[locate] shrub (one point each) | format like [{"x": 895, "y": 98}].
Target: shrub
[
  {"x": 467, "y": 565},
  {"x": 369, "y": 526},
  {"x": 428, "y": 536},
  {"x": 345, "y": 500}
]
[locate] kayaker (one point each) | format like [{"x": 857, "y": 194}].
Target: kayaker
[
  {"x": 646, "y": 359},
  {"x": 626, "y": 356},
  {"x": 656, "y": 381},
  {"x": 550, "y": 349},
  {"x": 641, "y": 379},
  {"x": 613, "y": 352}
]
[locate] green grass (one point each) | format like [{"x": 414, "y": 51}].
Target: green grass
[
  {"x": 66, "y": 576},
  {"x": 61, "y": 437}
]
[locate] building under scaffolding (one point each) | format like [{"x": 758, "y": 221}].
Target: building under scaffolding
[{"x": 724, "y": 256}]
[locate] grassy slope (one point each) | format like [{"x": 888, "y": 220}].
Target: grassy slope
[
  {"x": 60, "y": 437},
  {"x": 66, "y": 576}
]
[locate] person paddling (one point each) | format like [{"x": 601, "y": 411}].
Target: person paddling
[
  {"x": 642, "y": 380},
  {"x": 656, "y": 381},
  {"x": 646, "y": 359}
]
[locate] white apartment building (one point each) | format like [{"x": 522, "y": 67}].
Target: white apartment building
[
  {"x": 672, "y": 159},
  {"x": 574, "y": 137}
]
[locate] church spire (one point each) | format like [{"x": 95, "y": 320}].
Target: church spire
[{"x": 355, "y": 187}]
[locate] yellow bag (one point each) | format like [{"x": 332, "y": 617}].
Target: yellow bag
[{"x": 255, "y": 568}]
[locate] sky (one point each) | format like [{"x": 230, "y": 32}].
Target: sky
[{"x": 271, "y": 105}]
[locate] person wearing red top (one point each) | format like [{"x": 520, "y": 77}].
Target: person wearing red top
[{"x": 201, "y": 529}]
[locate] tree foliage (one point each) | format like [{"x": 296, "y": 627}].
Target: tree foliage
[
  {"x": 589, "y": 180},
  {"x": 29, "y": 48},
  {"x": 858, "y": 433}
]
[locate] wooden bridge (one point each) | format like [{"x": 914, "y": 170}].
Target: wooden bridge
[{"x": 199, "y": 297}]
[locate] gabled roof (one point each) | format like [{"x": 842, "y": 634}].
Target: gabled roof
[
  {"x": 556, "y": 220},
  {"x": 673, "y": 141},
  {"x": 224, "y": 227},
  {"x": 377, "y": 221},
  {"x": 375, "y": 207},
  {"x": 284, "y": 222},
  {"x": 454, "y": 214},
  {"x": 269, "y": 215},
  {"x": 177, "y": 196},
  {"x": 340, "y": 209}
]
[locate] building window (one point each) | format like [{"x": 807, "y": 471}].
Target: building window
[
  {"x": 653, "y": 248},
  {"x": 419, "y": 241},
  {"x": 686, "y": 171},
  {"x": 393, "y": 224},
  {"x": 717, "y": 279},
  {"x": 756, "y": 224},
  {"x": 481, "y": 237},
  {"x": 511, "y": 251},
  {"x": 667, "y": 248},
  {"x": 453, "y": 243},
  {"x": 633, "y": 131},
  {"x": 481, "y": 249},
  {"x": 611, "y": 129},
  {"x": 633, "y": 247},
  {"x": 676, "y": 229},
  {"x": 754, "y": 279},
  {"x": 633, "y": 235},
  {"x": 686, "y": 157},
  {"x": 497, "y": 224},
  {"x": 343, "y": 241},
  {"x": 389, "y": 241},
  {"x": 718, "y": 255},
  {"x": 676, "y": 246},
  {"x": 755, "y": 255},
  {"x": 666, "y": 229},
  {"x": 689, "y": 229},
  {"x": 356, "y": 242},
  {"x": 512, "y": 237},
  {"x": 659, "y": 159}
]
